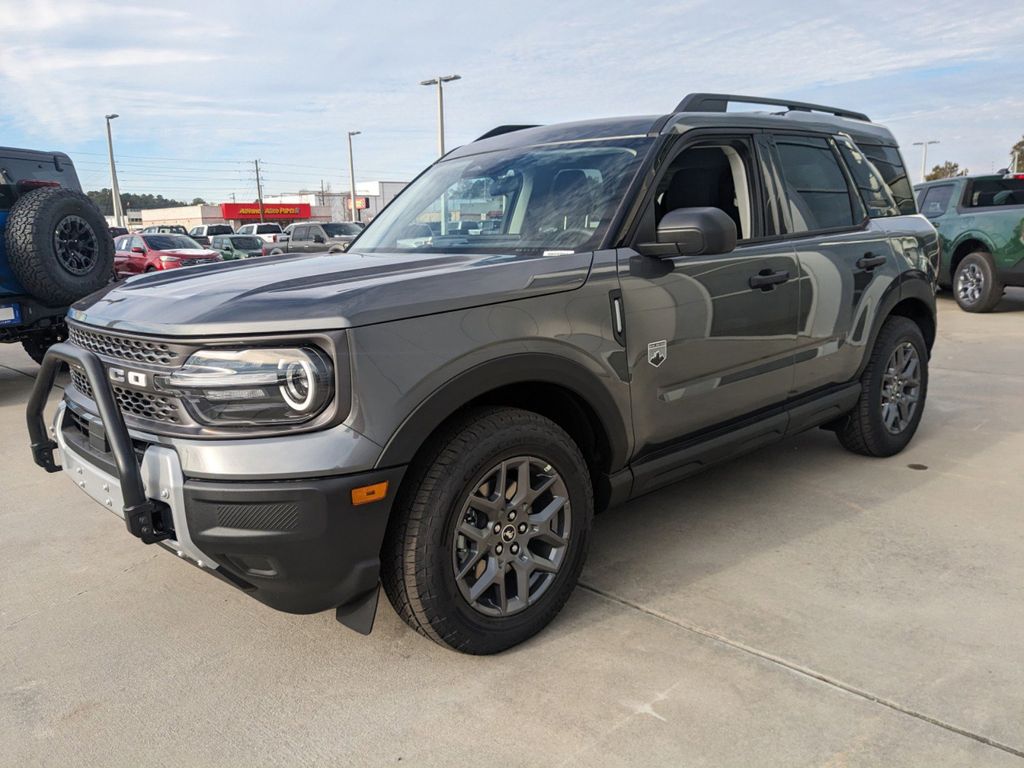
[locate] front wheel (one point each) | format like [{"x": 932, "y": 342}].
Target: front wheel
[
  {"x": 894, "y": 385},
  {"x": 490, "y": 532}
]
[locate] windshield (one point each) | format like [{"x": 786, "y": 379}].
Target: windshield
[
  {"x": 341, "y": 230},
  {"x": 246, "y": 242},
  {"x": 554, "y": 197},
  {"x": 169, "y": 242}
]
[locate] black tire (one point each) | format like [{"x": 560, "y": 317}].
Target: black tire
[
  {"x": 58, "y": 245},
  {"x": 976, "y": 287},
  {"x": 276, "y": 252},
  {"x": 419, "y": 555},
  {"x": 864, "y": 429},
  {"x": 37, "y": 344}
]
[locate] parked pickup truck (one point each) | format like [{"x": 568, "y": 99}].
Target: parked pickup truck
[
  {"x": 55, "y": 247},
  {"x": 980, "y": 221},
  {"x": 313, "y": 237}
]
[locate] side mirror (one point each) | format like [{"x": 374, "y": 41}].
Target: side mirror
[
  {"x": 319, "y": 239},
  {"x": 692, "y": 232},
  {"x": 138, "y": 249}
]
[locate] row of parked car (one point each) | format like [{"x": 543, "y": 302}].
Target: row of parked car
[{"x": 167, "y": 246}]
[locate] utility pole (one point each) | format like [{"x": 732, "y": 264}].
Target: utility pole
[
  {"x": 115, "y": 191},
  {"x": 323, "y": 194},
  {"x": 259, "y": 189},
  {"x": 924, "y": 155},
  {"x": 439, "y": 82},
  {"x": 352, "y": 176}
]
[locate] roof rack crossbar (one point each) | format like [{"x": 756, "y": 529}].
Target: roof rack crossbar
[
  {"x": 502, "y": 129},
  {"x": 719, "y": 102}
]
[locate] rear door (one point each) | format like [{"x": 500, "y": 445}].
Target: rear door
[
  {"x": 846, "y": 260},
  {"x": 121, "y": 255},
  {"x": 707, "y": 341},
  {"x": 136, "y": 258}
]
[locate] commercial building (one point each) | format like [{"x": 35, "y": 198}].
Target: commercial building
[{"x": 371, "y": 197}]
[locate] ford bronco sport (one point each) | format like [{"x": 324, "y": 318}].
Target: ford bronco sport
[
  {"x": 980, "y": 220},
  {"x": 444, "y": 413}
]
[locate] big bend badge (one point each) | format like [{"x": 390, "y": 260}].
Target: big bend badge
[{"x": 657, "y": 351}]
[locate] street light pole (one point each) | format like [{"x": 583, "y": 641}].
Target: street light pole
[
  {"x": 352, "y": 175},
  {"x": 439, "y": 82},
  {"x": 924, "y": 155},
  {"x": 115, "y": 191}
]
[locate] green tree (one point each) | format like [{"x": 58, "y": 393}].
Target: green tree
[
  {"x": 1017, "y": 156},
  {"x": 105, "y": 201},
  {"x": 947, "y": 170}
]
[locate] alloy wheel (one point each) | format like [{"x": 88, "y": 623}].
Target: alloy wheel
[
  {"x": 512, "y": 536},
  {"x": 970, "y": 284},
  {"x": 75, "y": 245},
  {"x": 901, "y": 388}
]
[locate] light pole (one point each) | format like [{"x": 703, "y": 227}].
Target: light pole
[
  {"x": 352, "y": 175},
  {"x": 115, "y": 191},
  {"x": 439, "y": 82},
  {"x": 924, "y": 155}
]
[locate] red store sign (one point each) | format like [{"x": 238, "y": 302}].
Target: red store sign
[{"x": 242, "y": 211}]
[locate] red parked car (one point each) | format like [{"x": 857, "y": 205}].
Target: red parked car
[{"x": 135, "y": 254}]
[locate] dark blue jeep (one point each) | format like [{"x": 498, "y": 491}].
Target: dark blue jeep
[{"x": 55, "y": 247}]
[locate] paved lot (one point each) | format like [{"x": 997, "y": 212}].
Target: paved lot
[{"x": 801, "y": 606}]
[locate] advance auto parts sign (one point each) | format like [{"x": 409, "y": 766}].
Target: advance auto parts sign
[{"x": 270, "y": 211}]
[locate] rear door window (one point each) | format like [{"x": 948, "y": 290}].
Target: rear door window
[
  {"x": 935, "y": 200},
  {"x": 818, "y": 194}
]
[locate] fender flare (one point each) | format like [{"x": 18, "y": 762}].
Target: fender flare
[
  {"x": 523, "y": 368},
  {"x": 910, "y": 285},
  {"x": 970, "y": 234}
]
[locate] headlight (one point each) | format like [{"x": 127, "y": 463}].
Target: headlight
[
  {"x": 169, "y": 259},
  {"x": 257, "y": 386}
]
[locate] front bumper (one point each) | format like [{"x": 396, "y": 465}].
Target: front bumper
[{"x": 297, "y": 545}]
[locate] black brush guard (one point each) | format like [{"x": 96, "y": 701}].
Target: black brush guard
[{"x": 140, "y": 512}]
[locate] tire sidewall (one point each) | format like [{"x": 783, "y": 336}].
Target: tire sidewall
[
  {"x": 905, "y": 331},
  {"x": 449, "y": 499}
]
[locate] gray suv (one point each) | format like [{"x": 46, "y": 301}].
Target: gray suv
[{"x": 443, "y": 409}]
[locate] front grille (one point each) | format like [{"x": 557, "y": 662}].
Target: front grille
[
  {"x": 142, "y": 405},
  {"x": 137, "y": 350}
]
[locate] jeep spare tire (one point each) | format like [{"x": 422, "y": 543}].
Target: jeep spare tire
[{"x": 58, "y": 245}]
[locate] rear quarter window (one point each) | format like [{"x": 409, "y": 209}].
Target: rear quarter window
[
  {"x": 889, "y": 163},
  {"x": 873, "y": 189},
  {"x": 986, "y": 193}
]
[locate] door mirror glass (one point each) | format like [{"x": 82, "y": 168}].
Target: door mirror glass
[
  {"x": 693, "y": 232},
  {"x": 138, "y": 249}
]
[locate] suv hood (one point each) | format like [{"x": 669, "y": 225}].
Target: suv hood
[{"x": 288, "y": 293}]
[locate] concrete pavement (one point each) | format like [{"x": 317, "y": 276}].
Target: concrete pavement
[{"x": 800, "y": 606}]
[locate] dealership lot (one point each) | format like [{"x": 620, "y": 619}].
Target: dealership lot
[{"x": 801, "y": 606}]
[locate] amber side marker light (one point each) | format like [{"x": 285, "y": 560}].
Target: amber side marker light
[{"x": 369, "y": 493}]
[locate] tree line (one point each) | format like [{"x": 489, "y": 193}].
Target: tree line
[
  {"x": 104, "y": 199},
  {"x": 949, "y": 169}
]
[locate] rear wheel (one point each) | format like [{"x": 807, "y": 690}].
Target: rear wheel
[
  {"x": 37, "y": 344},
  {"x": 490, "y": 533},
  {"x": 893, "y": 389},
  {"x": 975, "y": 285}
]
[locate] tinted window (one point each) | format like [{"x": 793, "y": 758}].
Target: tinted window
[
  {"x": 874, "y": 192},
  {"x": 169, "y": 242},
  {"x": 986, "y": 192},
  {"x": 936, "y": 200},
  {"x": 267, "y": 229},
  {"x": 342, "y": 230},
  {"x": 889, "y": 163},
  {"x": 218, "y": 229},
  {"x": 300, "y": 233},
  {"x": 247, "y": 243},
  {"x": 819, "y": 197}
]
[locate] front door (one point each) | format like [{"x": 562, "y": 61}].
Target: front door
[{"x": 710, "y": 339}]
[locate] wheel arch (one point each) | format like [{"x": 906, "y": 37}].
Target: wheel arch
[
  {"x": 913, "y": 298},
  {"x": 970, "y": 243},
  {"x": 558, "y": 388}
]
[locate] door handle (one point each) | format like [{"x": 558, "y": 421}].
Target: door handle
[
  {"x": 766, "y": 280},
  {"x": 869, "y": 261}
]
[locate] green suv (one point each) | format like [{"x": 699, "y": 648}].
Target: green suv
[{"x": 980, "y": 220}]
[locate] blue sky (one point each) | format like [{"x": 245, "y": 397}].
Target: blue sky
[{"x": 203, "y": 88}]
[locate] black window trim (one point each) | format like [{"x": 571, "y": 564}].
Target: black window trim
[
  {"x": 851, "y": 188},
  {"x": 962, "y": 206},
  {"x": 679, "y": 143}
]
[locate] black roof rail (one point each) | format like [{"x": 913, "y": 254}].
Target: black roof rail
[
  {"x": 503, "y": 129},
  {"x": 719, "y": 102}
]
